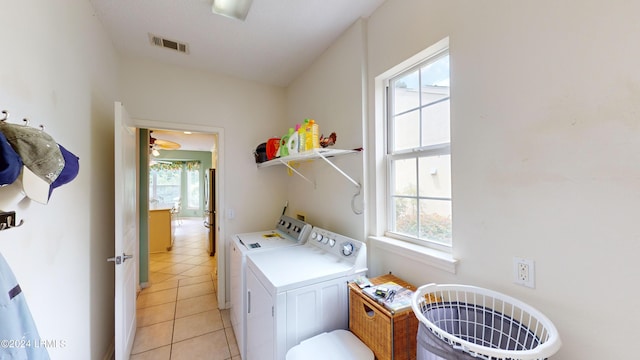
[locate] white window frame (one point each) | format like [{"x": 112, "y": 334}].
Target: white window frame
[{"x": 428, "y": 56}]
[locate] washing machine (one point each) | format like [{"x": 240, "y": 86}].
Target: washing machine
[
  {"x": 288, "y": 232},
  {"x": 298, "y": 292}
]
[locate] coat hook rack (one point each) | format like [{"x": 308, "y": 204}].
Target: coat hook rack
[{"x": 8, "y": 220}]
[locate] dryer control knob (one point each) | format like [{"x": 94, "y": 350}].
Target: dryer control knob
[
  {"x": 320, "y": 237},
  {"x": 347, "y": 249},
  {"x": 332, "y": 242},
  {"x": 314, "y": 235}
]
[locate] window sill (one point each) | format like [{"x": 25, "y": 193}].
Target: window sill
[{"x": 439, "y": 259}]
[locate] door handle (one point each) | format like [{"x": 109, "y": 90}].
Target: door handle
[
  {"x": 115, "y": 259},
  {"x": 120, "y": 259}
]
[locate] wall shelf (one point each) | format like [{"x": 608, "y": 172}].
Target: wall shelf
[{"x": 311, "y": 155}]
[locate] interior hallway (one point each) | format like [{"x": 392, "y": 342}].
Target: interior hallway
[{"x": 177, "y": 315}]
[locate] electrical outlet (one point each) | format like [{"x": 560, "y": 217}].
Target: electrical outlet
[{"x": 523, "y": 271}]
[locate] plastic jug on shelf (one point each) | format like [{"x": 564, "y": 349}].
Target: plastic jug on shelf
[
  {"x": 312, "y": 135},
  {"x": 284, "y": 143}
]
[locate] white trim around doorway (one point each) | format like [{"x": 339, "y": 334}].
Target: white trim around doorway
[{"x": 221, "y": 249}]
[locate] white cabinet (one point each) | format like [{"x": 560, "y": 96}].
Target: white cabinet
[
  {"x": 260, "y": 320},
  {"x": 278, "y": 322},
  {"x": 314, "y": 309}
]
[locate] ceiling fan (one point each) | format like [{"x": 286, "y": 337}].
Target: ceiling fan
[{"x": 160, "y": 144}]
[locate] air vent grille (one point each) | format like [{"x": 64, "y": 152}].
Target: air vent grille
[{"x": 169, "y": 44}]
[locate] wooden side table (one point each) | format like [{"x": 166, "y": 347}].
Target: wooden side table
[{"x": 390, "y": 335}]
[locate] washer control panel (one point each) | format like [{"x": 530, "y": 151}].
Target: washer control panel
[
  {"x": 343, "y": 247},
  {"x": 295, "y": 228}
]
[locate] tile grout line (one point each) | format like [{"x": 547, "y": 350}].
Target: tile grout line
[{"x": 173, "y": 328}]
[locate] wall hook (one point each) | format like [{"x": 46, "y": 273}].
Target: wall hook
[
  {"x": 8, "y": 220},
  {"x": 6, "y": 115}
]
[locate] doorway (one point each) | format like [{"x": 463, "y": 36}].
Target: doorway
[{"x": 175, "y": 133}]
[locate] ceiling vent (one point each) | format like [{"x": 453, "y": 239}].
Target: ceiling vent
[{"x": 169, "y": 44}]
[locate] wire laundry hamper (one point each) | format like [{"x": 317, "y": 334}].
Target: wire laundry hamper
[{"x": 468, "y": 322}]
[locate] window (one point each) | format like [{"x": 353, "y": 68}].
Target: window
[
  {"x": 172, "y": 181},
  {"x": 419, "y": 153},
  {"x": 193, "y": 185},
  {"x": 165, "y": 181}
]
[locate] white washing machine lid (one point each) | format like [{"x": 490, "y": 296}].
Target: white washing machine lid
[
  {"x": 335, "y": 345},
  {"x": 297, "y": 266},
  {"x": 264, "y": 240}
]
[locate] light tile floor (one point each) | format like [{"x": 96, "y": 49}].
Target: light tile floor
[{"x": 178, "y": 315}]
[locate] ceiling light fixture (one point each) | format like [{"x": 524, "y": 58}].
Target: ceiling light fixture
[{"x": 237, "y": 9}]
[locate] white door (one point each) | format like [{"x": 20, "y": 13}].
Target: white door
[{"x": 126, "y": 232}]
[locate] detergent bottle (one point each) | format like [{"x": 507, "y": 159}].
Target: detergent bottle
[
  {"x": 302, "y": 136},
  {"x": 312, "y": 138},
  {"x": 293, "y": 142},
  {"x": 284, "y": 144}
]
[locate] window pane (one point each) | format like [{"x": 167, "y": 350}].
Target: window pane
[
  {"x": 405, "y": 93},
  {"x": 436, "y": 73},
  {"x": 167, "y": 187},
  {"x": 193, "y": 184},
  {"x": 406, "y": 131},
  {"x": 435, "y": 221},
  {"x": 435, "y": 124},
  {"x": 405, "y": 217},
  {"x": 405, "y": 177},
  {"x": 435, "y": 176}
]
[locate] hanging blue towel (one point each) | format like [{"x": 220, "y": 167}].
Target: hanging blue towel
[{"x": 19, "y": 338}]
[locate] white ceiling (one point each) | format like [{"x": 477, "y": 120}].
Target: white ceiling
[{"x": 278, "y": 40}]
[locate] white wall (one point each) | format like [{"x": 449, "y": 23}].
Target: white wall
[
  {"x": 58, "y": 68},
  {"x": 545, "y": 131},
  {"x": 545, "y": 154},
  {"x": 249, "y": 113},
  {"x": 331, "y": 92}
]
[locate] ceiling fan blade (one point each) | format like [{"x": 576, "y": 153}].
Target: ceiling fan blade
[{"x": 166, "y": 144}]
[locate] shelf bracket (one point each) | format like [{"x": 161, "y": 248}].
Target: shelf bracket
[
  {"x": 286, "y": 163},
  {"x": 339, "y": 170}
]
